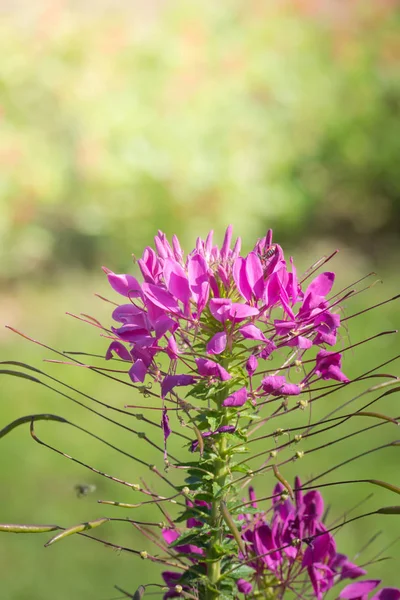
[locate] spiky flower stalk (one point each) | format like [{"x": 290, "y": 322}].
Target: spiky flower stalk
[{"x": 239, "y": 350}]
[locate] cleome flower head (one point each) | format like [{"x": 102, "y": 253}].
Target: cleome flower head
[{"x": 215, "y": 300}]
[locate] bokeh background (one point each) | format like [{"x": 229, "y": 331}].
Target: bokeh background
[{"x": 121, "y": 118}]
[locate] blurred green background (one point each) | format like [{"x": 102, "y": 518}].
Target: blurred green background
[{"x": 121, "y": 118}]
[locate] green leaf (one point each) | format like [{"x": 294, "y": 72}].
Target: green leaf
[
  {"x": 189, "y": 537},
  {"x": 240, "y": 468},
  {"x": 241, "y": 571}
]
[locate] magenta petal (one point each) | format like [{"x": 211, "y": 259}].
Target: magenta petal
[
  {"x": 387, "y": 594},
  {"x": 251, "y": 365},
  {"x": 237, "y": 311},
  {"x": 244, "y": 586},
  {"x": 131, "y": 333},
  {"x": 219, "y": 308},
  {"x": 176, "y": 280},
  {"x": 171, "y": 381},
  {"x": 209, "y": 368},
  {"x": 359, "y": 589},
  {"x": 317, "y": 550},
  {"x": 162, "y": 325},
  {"x": 251, "y": 332},
  {"x": 254, "y": 273},
  {"x": 278, "y": 386},
  {"x": 198, "y": 279},
  {"x": 240, "y": 278},
  {"x": 217, "y": 344},
  {"x": 223, "y": 374},
  {"x": 171, "y": 578},
  {"x": 119, "y": 350},
  {"x": 165, "y": 424},
  {"x": 126, "y": 285},
  {"x": 160, "y": 297},
  {"x": 314, "y": 504},
  {"x": 166, "y": 429},
  {"x": 226, "y": 244},
  {"x": 303, "y": 343},
  {"x": 178, "y": 252},
  {"x": 138, "y": 371},
  {"x": 237, "y": 398},
  {"x": 172, "y": 348},
  {"x": 126, "y": 313},
  {"x": 322, "y": 284},
  {"x": 328, "y": 365},
  {"x": 170, "y": 535}
]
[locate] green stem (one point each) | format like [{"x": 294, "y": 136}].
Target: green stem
[{"x": 214, "y": 567}]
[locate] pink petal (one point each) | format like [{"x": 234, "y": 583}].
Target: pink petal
[
  {"x": 170, "y": 535},
  {"x": 166, "y": 429},
  {"x": 359, "y": 589},
  {"x": 322, "y": 284},
  {"x": 387, "y": 594},
  {"x": 119, "y": 350},
  {"x": 178, "y": 252},
  {"x": 237, "y": 311},
  {"x": 209, "y": 368},
  {"x": 219, "y": 308},
  {"x": 226, "y": 243},
  {"x": 176, "y": 280},
  {"x": 126, "y": 285},
  {"x": 317, "y": 550},
  {"x": 171, "y": 381},
  {"x": 125, "y": 313},
  {"x": 254, "y": 273},
  {"x": 172, "y": 348},
  {"x": 240, "y": 278},
  {"x": 217, "y": 344},
  {"x": 160, "y": 297},
  {"x": 138, "y": 371},
  {"x": 237, "y": 398},
  {"x": 198, "y": 280},
  {"x": 252, "y": 332},
  {"x": 251, "y": 365},
  {"x": 278, "y": 386},
  {"x": 243, "y": 586}
]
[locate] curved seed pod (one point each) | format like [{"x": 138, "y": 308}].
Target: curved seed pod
[
  {"x": 29, "y": 419},
  {"x": 376, "y": 415},
  {"x": 76, "y": 529},
  {"x": 387, "y": 486},
  {"x": 139, "y": 593},
  {"x": 283, "y": 481},
  {"x": 389, "y": 510},
  {"x": 17, "y": 528},
  {"x": 234, "y": 530}
]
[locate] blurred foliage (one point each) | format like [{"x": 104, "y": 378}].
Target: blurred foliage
[{"x": 185, "y": 114}]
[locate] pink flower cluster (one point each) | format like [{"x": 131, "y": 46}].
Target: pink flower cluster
[
  {"x": 289, "y": 547},
  {"x": 215, "y": 299},
  {"x": 295, "y": 540}
]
